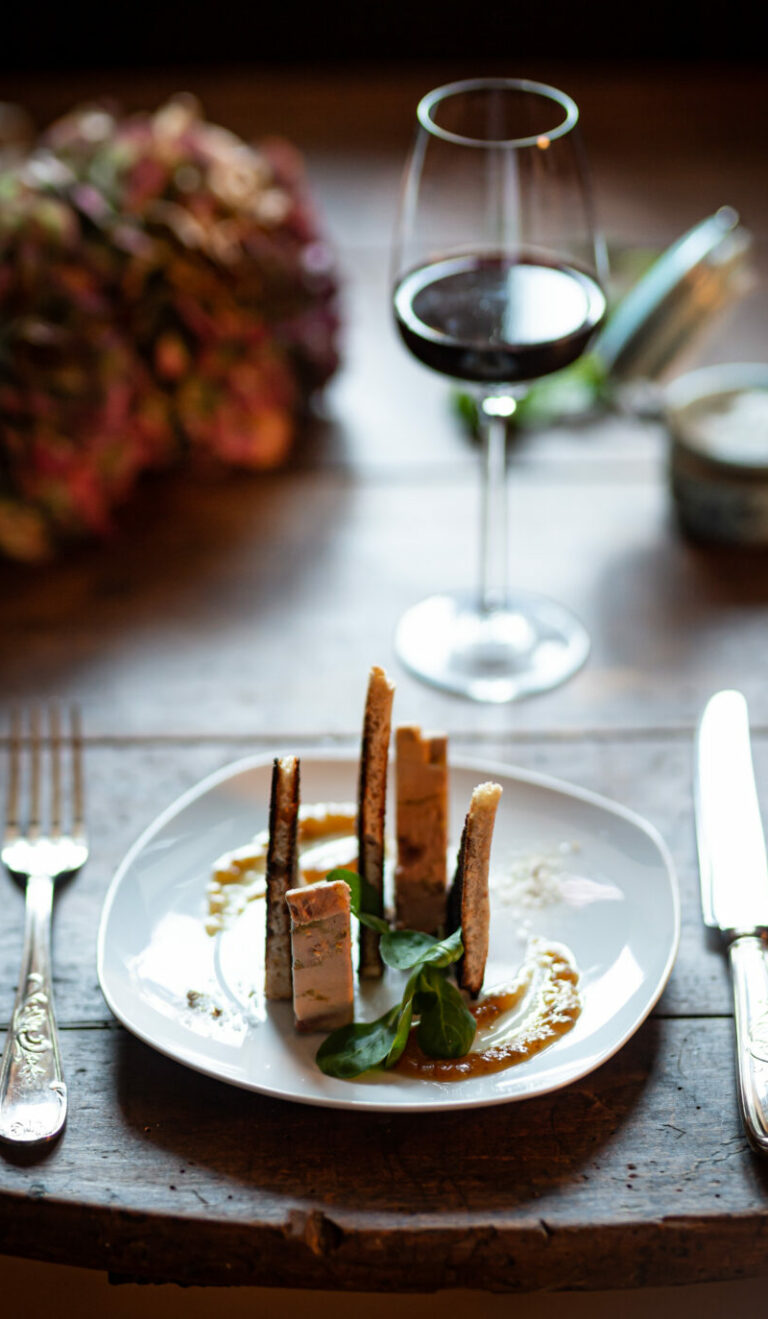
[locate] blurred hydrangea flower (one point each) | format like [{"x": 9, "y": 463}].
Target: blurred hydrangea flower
[{"x": 164, "y": 292}]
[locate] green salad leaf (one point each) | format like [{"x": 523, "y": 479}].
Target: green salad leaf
[
  {"x": 446, "y": 1027},
  {"x": 445, "y": 951},
  {"x": 402, "y": 949},
  {"x": 364, "y": 900},
  {"x": 576, "y": 390},
  {"x": 403, "y": 1028},
  {"x": 356, "y": 1048}
]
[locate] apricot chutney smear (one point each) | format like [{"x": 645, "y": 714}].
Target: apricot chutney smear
[{"x": 546, "y": 991}]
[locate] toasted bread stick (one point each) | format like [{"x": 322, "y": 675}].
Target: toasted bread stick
[
  {"x": 468, "y": 903},
  {"x": 282, "y": 874},
  {"x": 421, "y": 778},
  {"x": 371, "y": 808}
]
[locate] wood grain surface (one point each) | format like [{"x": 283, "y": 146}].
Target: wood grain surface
[
  {"x": 625, "y": 1179},
  {"x": 241, "y": 616}
]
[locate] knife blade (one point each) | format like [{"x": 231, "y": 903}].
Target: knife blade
[{"x": 734, "y": 888}]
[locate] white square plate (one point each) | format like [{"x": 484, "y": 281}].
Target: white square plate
[{"x": 622, "y": 926}]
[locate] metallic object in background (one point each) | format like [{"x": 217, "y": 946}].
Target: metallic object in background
[
  {"x": 666, "y": 311},
  {"x": 33, "y": 1095},
  {"x": 734, "y": 889}
]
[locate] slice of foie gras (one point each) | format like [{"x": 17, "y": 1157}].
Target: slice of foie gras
[
  {"x": 468, "y": 902},
  {"x": 371, "y": 808},
  {"x": 282, "y": 874},
  {"x": 323, "y": 985},
  {"x": 421, "y": 778}
]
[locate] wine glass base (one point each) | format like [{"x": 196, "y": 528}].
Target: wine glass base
[{"x": 531, "y": 645}]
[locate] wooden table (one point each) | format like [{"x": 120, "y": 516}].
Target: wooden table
[{"x": 242, "y": 616}]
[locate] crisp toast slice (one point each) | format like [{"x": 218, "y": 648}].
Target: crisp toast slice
[
  {"x": 371, "y": 810},
  {"x": 421, "y": 779},
  {"x": 281, "y": 874},
  {"x": 468, "y": 902}
]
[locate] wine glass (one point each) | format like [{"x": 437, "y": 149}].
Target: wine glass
[{"x": 497, "y": 273}]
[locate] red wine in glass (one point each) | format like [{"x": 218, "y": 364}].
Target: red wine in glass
[
  {"x": 492, "y": 319},
  {"x": 496, "y": 281}
]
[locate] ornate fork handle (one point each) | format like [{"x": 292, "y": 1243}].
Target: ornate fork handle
[{"x": 33, "y": 1095}]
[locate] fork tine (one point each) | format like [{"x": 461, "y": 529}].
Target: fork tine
[
  {"x": 33, "y": 827},
  {"x": 78, "y": 815},
  {"x": 12, "y": 803},
  {"x": 54, "y": 724}
]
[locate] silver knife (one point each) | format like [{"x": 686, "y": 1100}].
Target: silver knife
[{"x": 734, "y": 888}]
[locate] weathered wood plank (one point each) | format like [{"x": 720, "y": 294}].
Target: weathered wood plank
[
  {"x": 128, "y": 785},
  {"x": 257, "y": 608},
  {"x": 637, "y": 1175}
]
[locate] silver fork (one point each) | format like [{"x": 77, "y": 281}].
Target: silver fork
[{"x": 33, "y": 1095}]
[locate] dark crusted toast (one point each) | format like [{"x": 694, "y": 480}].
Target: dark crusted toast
[
  {"x": 282, "y": 874},
  {"x": 371, "y": 807},
  {"x": 468, "y": 903}
]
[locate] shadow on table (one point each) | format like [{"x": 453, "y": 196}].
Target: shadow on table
[
  {"x": 727, "y": 575},
  {"x": 494, "y": 1159},
  {"x": 669, "y": 599},
  {"x": 185, "y": 551}
]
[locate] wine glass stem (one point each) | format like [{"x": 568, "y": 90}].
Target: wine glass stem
[{"x": 494, "y": 413}]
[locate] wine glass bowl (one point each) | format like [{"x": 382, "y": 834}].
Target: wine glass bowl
[{"x": 497, "y": 281}]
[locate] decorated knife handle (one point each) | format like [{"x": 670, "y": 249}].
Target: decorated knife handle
[{"x": 749, "y": 969}]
